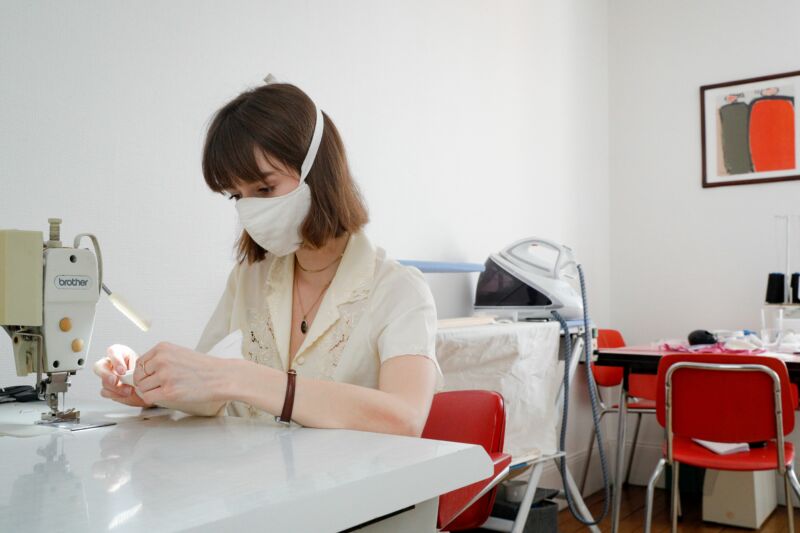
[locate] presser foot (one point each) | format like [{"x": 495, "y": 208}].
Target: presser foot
[
  {"x": 70, "y": 415},
  {"x": 70, "y": 419}
]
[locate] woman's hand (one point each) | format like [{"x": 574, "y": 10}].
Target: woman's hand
[
  {"x": 170, "y": 373},
  {"x": 119, "y": 359}
]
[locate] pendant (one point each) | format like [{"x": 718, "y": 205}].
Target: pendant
[{"x": 304, "y": 326}]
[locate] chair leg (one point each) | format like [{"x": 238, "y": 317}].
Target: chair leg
[
  {"x": 793, "y": 479},
  {"x": 787, "y": 485},
  {"x": 588, "y": 461},
  {"x": 651, "y": 488},
  {"x": 676, "y": 496},
  {"x": 633, "y": 448}
]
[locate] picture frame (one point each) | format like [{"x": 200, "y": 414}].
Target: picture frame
[{"x": 749, "y": 130}]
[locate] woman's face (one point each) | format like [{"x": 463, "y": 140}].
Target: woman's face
[{"x": 276, "y": 180}]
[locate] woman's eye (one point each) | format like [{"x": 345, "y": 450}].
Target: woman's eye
[{"x": 265, "y": 190}]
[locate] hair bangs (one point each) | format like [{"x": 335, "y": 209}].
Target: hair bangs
[{"x": 229, "y": 154}]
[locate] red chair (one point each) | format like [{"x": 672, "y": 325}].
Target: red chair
[
  {"x": 642, "y": 392},
  {"x": 471, "y": 417},
  {"x": 745, "y": 398}
]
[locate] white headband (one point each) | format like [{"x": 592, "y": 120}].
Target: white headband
[{"x": 316, "y": 137}]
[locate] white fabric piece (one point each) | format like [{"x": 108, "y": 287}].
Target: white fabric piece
[
  {"x": 520, "y": 361},
  {"x": 127, "y": 378},
  {"x": 744, "y": 343}
]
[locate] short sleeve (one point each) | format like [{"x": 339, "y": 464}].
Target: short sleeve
[
  {"x": 219, "y": 325},
  {"x": 405, "y": 317}
]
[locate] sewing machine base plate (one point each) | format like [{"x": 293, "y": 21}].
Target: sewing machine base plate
[{"x": 74, "y": 425}]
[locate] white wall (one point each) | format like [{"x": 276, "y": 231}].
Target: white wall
[
  {"x": 683, "y": 257},
  {"x": 469, "y": 124}
]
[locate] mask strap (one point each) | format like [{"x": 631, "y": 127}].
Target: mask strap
[
  {"x": 316, "y": 137},
  {"x": 316, "y": 140}
]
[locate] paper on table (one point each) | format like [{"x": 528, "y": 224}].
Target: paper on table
[
  {"x": 228, "y": 348},
  {"x": 723, "y": 448}
]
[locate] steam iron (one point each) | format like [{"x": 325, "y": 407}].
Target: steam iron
[{"x": 529, "y": 279}]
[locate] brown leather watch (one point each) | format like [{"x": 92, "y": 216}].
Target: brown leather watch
[{"x": 288, "y": 402}]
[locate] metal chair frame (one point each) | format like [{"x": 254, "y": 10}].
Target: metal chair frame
[
  {"x": 604, "y": 410},
  {"x": 788, "y": 473},
  {"x": 497, "y": 479}
]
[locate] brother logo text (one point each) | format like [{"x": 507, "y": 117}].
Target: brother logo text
[{"x": 72, "y": 282}]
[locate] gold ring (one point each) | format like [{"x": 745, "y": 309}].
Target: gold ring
[{"x": 144, "y": 368}]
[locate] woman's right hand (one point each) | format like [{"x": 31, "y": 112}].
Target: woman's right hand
[{"x": 119, "y": 359}]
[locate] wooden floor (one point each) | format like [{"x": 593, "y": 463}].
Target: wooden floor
[{"x": 632, "y": 515}]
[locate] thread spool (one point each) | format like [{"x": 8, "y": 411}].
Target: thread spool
[{"x": 776, "y": 288}]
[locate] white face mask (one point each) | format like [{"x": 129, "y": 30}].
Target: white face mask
[{"x": 274, "y": 223}]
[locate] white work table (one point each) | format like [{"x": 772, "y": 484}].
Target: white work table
[{"x": 158, "y": 470}]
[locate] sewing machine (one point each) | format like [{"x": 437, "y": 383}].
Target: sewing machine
[{"x": 48, "y": 296}]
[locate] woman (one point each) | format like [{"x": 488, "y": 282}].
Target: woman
[{"x": 335, "y": 334}]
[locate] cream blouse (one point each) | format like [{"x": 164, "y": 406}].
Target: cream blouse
[{"x": 374, "y": 309}]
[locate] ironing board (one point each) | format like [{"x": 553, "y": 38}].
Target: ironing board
[
  {"x": 520, "y": 360},
  {"x": 517, "y": 360}
]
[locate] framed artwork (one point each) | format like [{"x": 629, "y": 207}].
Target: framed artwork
[{"x": 749, "y": 130}]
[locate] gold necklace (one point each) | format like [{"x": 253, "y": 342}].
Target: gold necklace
[
  {"x": 304, "y": 269},
  {"x": 304, "y": 322}
]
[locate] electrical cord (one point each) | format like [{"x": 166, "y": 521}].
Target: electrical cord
[{"x": 593, "y": 397}]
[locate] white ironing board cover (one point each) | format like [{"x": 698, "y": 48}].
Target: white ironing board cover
[{"x": 518, "y": 360}]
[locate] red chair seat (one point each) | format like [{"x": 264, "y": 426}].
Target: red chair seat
[
  {"x": 688, "y": 452},
  {"x": 639, "y": 404},
  {"x": 453, "y": 502}
]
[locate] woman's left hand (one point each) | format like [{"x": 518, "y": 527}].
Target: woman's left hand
[{"x": 170, "y": 373}]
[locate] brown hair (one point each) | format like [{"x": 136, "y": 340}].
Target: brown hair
[{"x": 279, "y": 119}]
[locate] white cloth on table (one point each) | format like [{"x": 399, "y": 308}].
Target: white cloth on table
[{"x": 520, "y": 361}]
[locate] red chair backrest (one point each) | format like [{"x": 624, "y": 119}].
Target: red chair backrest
[
  {"x": 724, "y": 406},
  {"x": 608, "y": 376},
  {"x": 468, "y": 416},
  {"x": 643, "y": 386},
  {"x": 471, "y": 417}
]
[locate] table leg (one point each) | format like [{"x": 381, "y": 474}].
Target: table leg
[{"x": 620, "y": 463}]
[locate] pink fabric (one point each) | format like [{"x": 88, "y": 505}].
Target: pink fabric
[{"x": 719, "y": 347}]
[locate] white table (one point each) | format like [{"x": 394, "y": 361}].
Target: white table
[{"x": 158, "y": 470}]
